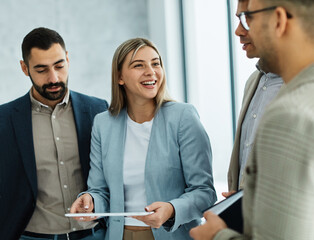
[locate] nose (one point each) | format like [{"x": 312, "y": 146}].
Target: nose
[
  {"x": 53, "y": 76},
  {"x": 150, "y": 71},
  {"x": 240, "y": 31}
]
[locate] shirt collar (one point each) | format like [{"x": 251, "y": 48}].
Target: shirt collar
[{"x": 269, "y": 74}]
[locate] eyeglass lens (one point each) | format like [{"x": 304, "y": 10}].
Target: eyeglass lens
[{"x": 243, "y": 21}]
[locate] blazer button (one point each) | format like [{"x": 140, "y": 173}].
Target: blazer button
[{"x": 250, "y": 170}]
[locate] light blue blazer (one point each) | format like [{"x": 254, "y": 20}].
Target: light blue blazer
[{"x": 178, "y": 168}]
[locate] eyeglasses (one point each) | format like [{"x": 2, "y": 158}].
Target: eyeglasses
[{"x": 243, "y": 16}]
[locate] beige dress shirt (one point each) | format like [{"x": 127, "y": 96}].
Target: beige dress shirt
[{"x": 59, "y": 174}]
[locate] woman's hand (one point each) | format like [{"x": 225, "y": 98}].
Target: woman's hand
[
  {"x": 84, "y": 204},
  {"x": 162, "y": 212}
]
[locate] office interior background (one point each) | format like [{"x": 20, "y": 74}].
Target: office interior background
[{"x": 204, "y": 62}]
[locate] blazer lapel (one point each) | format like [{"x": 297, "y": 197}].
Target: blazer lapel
[
  {"x": 83, "y": 122},
  {"x": 115, "y": 156},
  {"x": 22, "y": 123},
  {"x": 155, "y": 148},
  {"x": 245, "y": 105},
  {"x": 233, "y": 173},
  {"x": 247, "y": 100}
]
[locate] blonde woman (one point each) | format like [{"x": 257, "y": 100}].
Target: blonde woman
[{"x": 147, "y": 152}]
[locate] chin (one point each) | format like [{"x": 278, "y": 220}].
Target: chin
[{"x": 251, "y": 55}]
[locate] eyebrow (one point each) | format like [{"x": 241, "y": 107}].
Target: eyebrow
[
  {"x": 156, "y": 58},
  {"x": 43, "y": 66}
]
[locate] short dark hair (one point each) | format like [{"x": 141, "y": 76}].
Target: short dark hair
[
  {"x": 303, "y": 9},
  {"x": 41, "y": 38}
]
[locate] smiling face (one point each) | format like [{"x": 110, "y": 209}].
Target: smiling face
[
  {"x": 48, "y": 71},
  {"x": 141, "y": 75},
  {"x": 245, "y": 39}
]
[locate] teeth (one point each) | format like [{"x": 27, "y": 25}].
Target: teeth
[{"x": 148, "y": 83}]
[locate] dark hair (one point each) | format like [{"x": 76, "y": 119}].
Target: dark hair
[
  {"x": 302, "y": 9},
  {"x": 41, "y": 38}
]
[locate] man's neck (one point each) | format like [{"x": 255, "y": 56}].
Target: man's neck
[
  {"x": 263, "y": 67},
  {"x": 296, "y": 54},
  {"x": 293, "y": 66}
]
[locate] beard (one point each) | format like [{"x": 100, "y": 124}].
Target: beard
[
  {"x": 52, "y": 96},
  {"x": 269, "y": 60}
]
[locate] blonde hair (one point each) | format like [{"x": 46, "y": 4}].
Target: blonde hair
[{"x": 118, "y": 94}]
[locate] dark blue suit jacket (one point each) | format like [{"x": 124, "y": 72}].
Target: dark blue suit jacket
[{"x": 18, "y": 178}]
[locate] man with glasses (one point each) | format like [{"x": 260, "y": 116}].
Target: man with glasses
[
  {"x": 278, "y": 191},
  {"x": 260, "y": 90}
]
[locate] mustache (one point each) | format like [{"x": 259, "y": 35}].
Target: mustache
[
  {"x": 58, "y": 84},
  {"x": 245, "y": 39}
]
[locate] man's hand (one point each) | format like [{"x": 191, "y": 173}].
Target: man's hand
[
  {"x": 208, "y": 230},
  {"x": 162, "y": 212},
  {"x": 84, "y": 204},
  {"x": 228, "y": 194}
]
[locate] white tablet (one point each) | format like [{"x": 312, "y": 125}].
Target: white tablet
[{"x": 125, "y": 214}]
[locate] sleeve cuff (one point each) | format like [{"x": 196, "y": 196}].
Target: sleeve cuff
[{"x": 228, "y": 233}]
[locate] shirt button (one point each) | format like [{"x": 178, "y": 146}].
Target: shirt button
[
  {"x": 74, "y": 229},
  {"x": 53, "y": 116},
  {"x": 264, "y": 88},
  {"x": 62, "y": 163},
  {"x": 65, "y": 186},
  {"x": 69, "y": 209},
  {"x": 37, "y": 109},
  {"x": 254, "y": 115},
  {"x": 247, "y": 144},
  {"x": 58, "y": 138}
]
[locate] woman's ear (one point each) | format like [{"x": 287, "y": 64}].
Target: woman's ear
[{"x": 120, "y": 82}]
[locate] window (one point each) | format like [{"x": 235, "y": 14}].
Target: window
[{"x": 210, "y": 82}]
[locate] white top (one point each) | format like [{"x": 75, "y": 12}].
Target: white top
[{"x": 136, "y": 145}]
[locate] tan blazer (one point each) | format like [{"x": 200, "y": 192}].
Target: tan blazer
[
  {"x": 279, "y": 187},
  {"x": 234, "y": 168}
]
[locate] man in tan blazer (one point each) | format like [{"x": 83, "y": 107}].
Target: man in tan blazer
[
  {"x": 260, "y": 89},
  {"x": 278, "y": 193}
]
